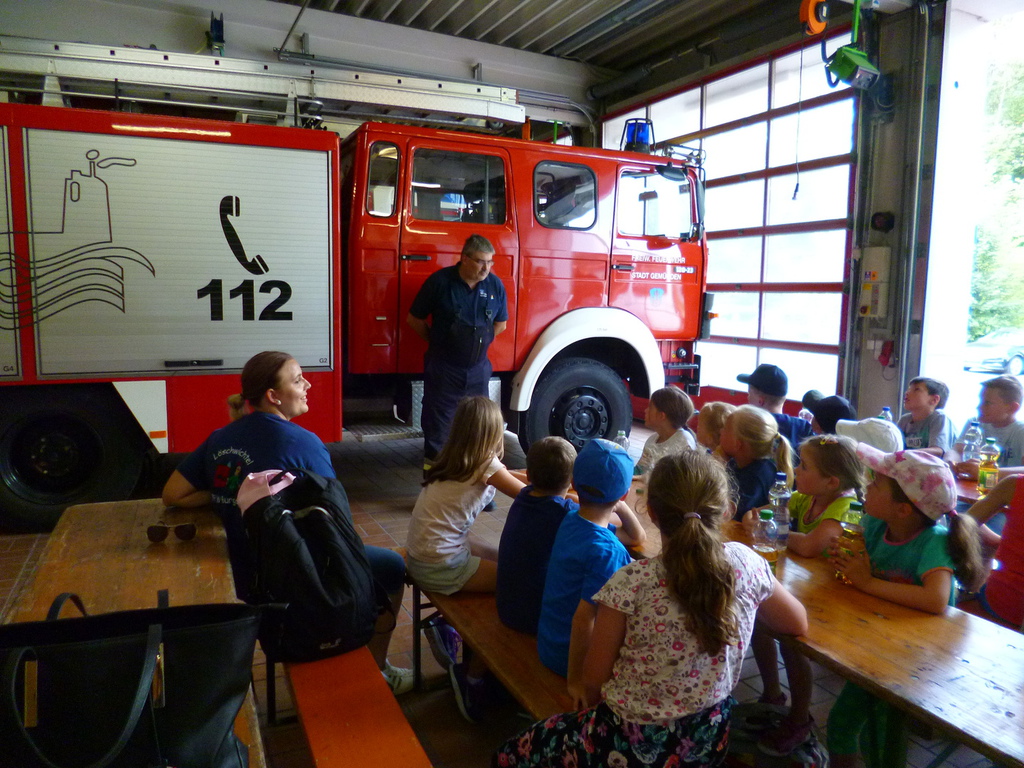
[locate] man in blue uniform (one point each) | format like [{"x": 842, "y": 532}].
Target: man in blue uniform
[{"x": 467, "y": 309}]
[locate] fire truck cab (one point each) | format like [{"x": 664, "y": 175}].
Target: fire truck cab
[{"x": 602, "y": 255}]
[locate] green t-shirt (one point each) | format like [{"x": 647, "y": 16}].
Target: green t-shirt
[{"x": 800, "y": 507}]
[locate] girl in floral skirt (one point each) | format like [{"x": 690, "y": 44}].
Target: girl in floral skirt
[{"x": 669, "y": 639}]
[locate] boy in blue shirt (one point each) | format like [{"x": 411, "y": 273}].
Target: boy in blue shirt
[
  {"x": 588, "y": 549},
  {"x": 529, "y": 533}
]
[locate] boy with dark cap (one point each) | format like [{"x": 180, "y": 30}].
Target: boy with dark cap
[
  {"x": 766, "y": 388},
  {"x": 588, "y": 549},
  {"x": 827, "y": 411}
]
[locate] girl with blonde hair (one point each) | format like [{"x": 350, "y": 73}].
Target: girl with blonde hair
[
  {"x": 755, "y": 452},
  {"x": 710, "y": 423},
  {"x": 829, "y": 478},
  {"x": 443, "y": 556}
]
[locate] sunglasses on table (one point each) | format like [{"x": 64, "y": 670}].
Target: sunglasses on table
[{"x": 159, "y": 532}]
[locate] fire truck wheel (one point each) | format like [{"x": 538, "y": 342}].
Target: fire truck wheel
[
  {"x": 578, "y": 399},
  {"x": 61, "y": 446}
]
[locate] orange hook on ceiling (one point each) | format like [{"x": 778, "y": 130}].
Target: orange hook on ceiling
[{"x": 814, "y": 16}]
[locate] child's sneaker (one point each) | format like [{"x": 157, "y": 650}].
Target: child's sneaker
[
  {"x": 400, "y": 679},
  {"x": 470, "y": 696},
  {"x": 784, "y": 738},
  {"x": 445, "y": 643}
]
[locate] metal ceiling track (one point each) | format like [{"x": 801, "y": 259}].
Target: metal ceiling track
[{"x": 250, "y": 88}]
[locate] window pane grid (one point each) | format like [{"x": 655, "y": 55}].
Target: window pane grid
[{"x": 780, "y": 148}]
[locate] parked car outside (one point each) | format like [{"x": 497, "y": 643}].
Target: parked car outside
[{"x": 1001, "y": 351}]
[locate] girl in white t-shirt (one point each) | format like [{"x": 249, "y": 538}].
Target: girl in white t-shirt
[
  {"x": 668, "y": 412},
  {"x": 669, "y": 638},
  {"x": 443, "y": 555}
]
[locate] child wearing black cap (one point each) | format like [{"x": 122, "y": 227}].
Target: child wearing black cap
[
  {"x": 827, "y": 411},
  {"x": 766, "y": 388},
  {"x": 588, "y": 549}
]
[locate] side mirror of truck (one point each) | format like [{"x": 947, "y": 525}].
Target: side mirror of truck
[{"x": 698, "y": 192}]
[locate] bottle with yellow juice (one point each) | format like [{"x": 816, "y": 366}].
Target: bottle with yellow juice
[
  {"x": 988, "y": 470},
  {"x": 851, "y": 540}
]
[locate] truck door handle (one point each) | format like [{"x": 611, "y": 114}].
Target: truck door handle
[
  {"x": 415, "y": 257},
  {"x": 623, "y": 267}
]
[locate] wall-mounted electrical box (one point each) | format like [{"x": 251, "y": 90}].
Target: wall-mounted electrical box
[{"x": 873, "y": 264}]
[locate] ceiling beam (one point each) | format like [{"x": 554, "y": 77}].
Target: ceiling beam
[{"x": 532, "y": 19}]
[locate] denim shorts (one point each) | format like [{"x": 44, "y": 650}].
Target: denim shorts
[{"x": 447, "y": 577}]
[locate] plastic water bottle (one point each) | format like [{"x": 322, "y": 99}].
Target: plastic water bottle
[
  {"x": 778, "y": 498},
  {"x": 622, "y": 440},
  {"x": 851, "y": 540},
  {"x": 766, "y": 538},
  {"x": 988, "y": 470},
  {"x": 973, "y": 440},
  {"x": 886, "y": 413}
]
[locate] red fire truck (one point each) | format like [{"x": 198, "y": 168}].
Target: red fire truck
[{"x": 147, "y": 258}]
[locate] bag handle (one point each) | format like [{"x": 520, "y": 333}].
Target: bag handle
[
  {"x": 318, "y": 480},
  {"x": 153, "y": 637},
  {"x": 58, "y": 604}
]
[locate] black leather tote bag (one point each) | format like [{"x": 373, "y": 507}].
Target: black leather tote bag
[{"x": 131, "y": 689}]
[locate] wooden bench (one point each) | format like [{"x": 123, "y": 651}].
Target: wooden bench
[
  {"x": 510, "y": 655},
  {"x": 349, "y": 714}
]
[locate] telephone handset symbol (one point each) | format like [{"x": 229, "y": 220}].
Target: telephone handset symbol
[{"x": 231, "y": 206}]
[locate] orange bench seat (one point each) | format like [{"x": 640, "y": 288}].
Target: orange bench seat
[{"x": 349, "y": 714}]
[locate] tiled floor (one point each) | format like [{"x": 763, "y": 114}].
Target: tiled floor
[{"x": 382, "y": 480}]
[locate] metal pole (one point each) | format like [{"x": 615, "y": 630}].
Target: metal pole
[
  {"x": 297, "y": 17},
  {"x": 911, "y": 242}
]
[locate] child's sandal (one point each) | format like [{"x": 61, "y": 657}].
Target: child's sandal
[{"x": 782, "y": 740}]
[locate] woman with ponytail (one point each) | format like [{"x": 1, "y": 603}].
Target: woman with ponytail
[{"x": 669, "y": 639}]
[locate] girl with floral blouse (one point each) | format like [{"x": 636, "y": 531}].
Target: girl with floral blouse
[{"x": 669, "y": 638}]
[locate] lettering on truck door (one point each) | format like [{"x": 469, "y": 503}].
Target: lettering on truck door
[{"x": 655, "y": 274}]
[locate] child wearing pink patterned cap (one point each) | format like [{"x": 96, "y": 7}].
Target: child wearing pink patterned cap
[{"x": 910, "y": 559}]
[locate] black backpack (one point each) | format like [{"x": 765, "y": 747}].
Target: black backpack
[{"x": 308, "y": 555}]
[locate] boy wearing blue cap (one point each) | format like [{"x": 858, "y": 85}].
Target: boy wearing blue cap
[{"x": 588, "y": 549}]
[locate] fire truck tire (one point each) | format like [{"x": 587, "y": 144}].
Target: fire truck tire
[
  {"x": 61, "y": 446},
  {"x": 578, "y": 399}
]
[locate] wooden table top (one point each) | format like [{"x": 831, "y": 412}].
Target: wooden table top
[
  {"x": 967, "y": 490},
  {"x": 961, "y": 673},
  {"x": 101, "y": 552}
]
